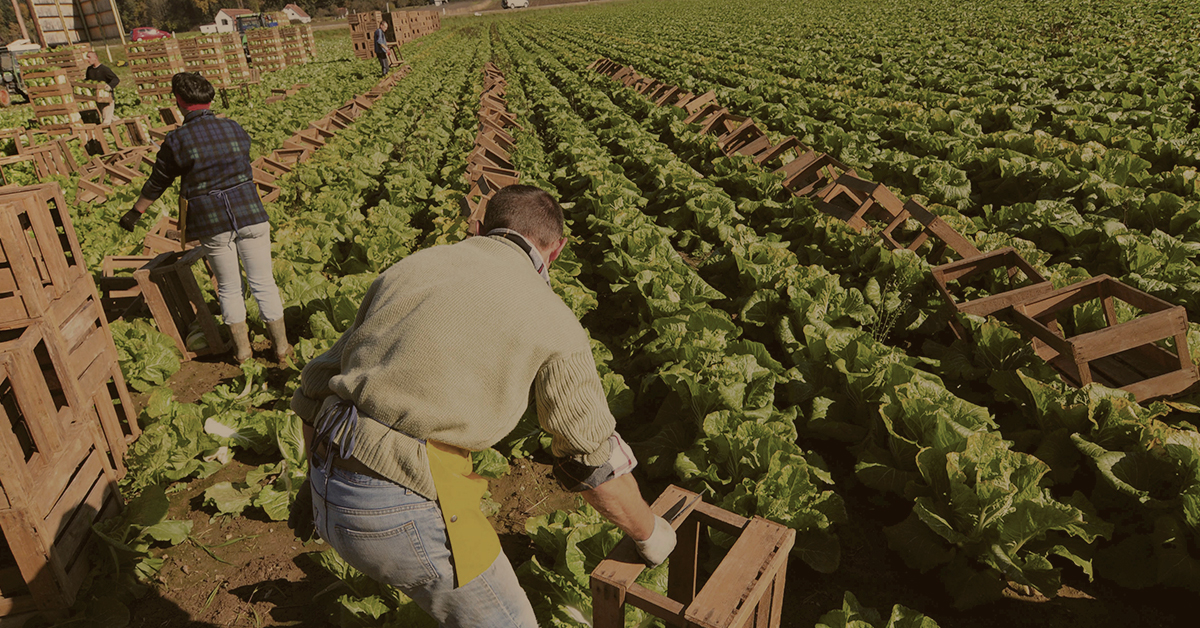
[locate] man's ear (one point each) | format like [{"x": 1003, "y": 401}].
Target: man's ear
[{"x": 558, "y": 249}]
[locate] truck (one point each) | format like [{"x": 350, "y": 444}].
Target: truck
[
  {"x": 10, "y": 70},
  {"x": 255, "y": 20}
]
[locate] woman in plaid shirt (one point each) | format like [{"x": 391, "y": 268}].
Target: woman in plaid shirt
[{"x": 211, "y": 157}]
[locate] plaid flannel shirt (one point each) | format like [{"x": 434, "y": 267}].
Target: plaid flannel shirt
[{"x": 211, "y": 155}]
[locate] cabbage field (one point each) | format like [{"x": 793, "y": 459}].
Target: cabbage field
[{"x": 753, "y": 348}]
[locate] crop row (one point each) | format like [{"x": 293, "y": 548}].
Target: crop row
[
  {"x": 1104, "y": 186},
  {"x": 883, "y": 469}
]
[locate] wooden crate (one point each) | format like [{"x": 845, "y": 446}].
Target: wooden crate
[
  {"x": 235, "y": 59},
  {"x": 40, "y": 258},
  {"x": 1023, "y": 281},
  {"x": 47, "y": 509},
  {"x": 266, "y": 49},
  {"x": 812, "y": 173},
  {"x": 1120, "y": 355},
  {"x": 167, "y": 286},
  {"x": 69, "y": 58},
  {"x": 745, "y": 590}
]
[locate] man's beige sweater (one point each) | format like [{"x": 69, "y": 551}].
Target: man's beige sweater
[{"x": 445, "y": 347}]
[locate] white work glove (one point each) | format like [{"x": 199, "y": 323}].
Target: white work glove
[{"x": 659, "y": 546}]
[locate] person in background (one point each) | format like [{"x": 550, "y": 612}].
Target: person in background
[
  {"x": 438, "y": 363},
  {"x": 97, "y": 71},
  {"x": 211, "y": 156},
  {"x": 381, "y": 49}
]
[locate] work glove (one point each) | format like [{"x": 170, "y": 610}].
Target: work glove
[
  {"x": 130, "y": 219},
  {"x": 659, "y": 546},
  {"x": 301, "y": 518}
]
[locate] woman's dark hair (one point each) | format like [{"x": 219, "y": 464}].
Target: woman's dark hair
[
  {"x": 527, "y": 210},
  {"x": 192, "y": 88}
]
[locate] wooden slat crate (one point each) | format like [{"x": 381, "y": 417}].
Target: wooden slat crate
[
  {"x": 295, "y": 49},
  {"x": 235, "y": 59},
  {"x": 46, "y": 514},
  {"x": 206, "y": 54},
  {"x": 745, "y": 590},
  {"x": 153, "y": 63},
  {"x": 77, "y": 327},
  {"x": 1021, "y": 281},
  {"x": 310, "y": 41},
  {"x": 69, "y": 58},
  {"x": 266, "y": 49},
  {"x": 40, "y": 258},
  {"x": 1125, "y": 355},
  {"x": 167, "y": 286}
]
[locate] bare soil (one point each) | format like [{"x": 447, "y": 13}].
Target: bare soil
[{"x": 255, "y": 573}]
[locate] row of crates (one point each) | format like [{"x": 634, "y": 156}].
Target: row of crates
[
  {"x": 58, "y": 100},
  {"x": 490, "y": 166},
  {"x": 69, "y": 58},
  {"x": 403, "y": 27},
  {"x": 1134, "y": 355},
  {"x": 276, "y": 48},
  {"x": 67, "y": 419}
]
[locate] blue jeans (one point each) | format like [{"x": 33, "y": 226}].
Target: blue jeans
[
  {"x": 398, "y": 537},
  {"x": 252, "y": 246}
]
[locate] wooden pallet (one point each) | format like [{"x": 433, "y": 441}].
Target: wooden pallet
[
  {"x": 745, "y": 590},
  {"x": 1121, "y": 355}
]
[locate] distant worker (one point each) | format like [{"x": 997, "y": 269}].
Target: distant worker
[
  {"x": 217, "y": 193},
  {"x": 381, "y": 49},
  {"x": 439, "y": 363},
  {"x": 97, "y": 71}
]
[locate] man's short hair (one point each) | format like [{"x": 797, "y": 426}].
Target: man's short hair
[
  {"x": 527, "y": 210},
  {"x": 192, "y": 88}
]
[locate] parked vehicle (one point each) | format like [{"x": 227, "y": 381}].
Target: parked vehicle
[
  {"x": 255, "y": 20},
  {"x": 10, "y": 70},
  {"x": 516, "y": 4},
  {"x": 146, "y": 33}
]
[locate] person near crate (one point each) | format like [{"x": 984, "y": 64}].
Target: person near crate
[
  {"x": 97, "y": 71},
  {"x": 438, "y": 363},
  {"x": 211, "y": 157},
  {"x": 381, "y": 49}
]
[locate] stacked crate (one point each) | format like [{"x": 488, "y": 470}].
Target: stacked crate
[
  {"x": 235, "y": 58},
  {"x": 295, "y": 50},
  {"x": 206, "y": 55},
  {"x": 69, "y": 58},
  {"x": 65, "y": 412},
  {"x": 266, "y": 49},
  {"x": 310, "y": 42},
  {"x": 153, "y": 63},
  {"x": 402, "y": 30},
  {"x": 409, "y": 25},
  {"x": 53, "y": 98},
  {"x": 362, "y": 32}
]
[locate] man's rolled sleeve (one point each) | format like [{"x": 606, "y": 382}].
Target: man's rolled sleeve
[{"x": 572, "y": 408}]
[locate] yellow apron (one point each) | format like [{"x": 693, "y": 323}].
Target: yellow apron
[{"x": 473, "y": 542}]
